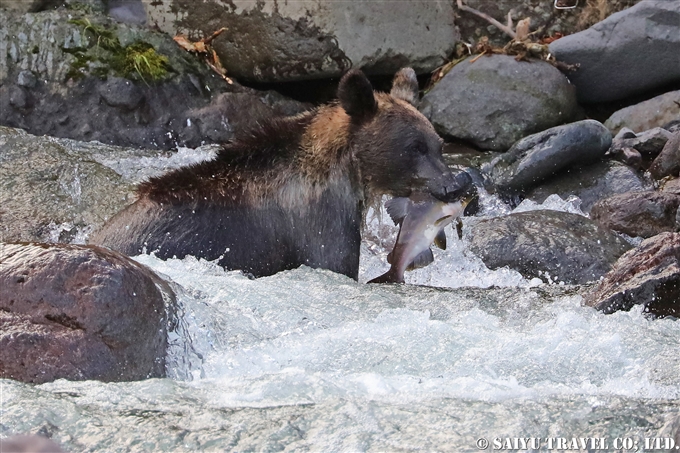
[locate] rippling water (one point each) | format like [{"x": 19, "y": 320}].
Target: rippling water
[{"x": 308, "y": 360}]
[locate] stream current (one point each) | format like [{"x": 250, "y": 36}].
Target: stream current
[{"x": 309, "y": 360}]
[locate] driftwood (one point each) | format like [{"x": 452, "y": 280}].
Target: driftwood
[{"x": 507, "y": 29}]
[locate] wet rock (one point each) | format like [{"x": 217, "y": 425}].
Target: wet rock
[
  {"x": 497, "y": 100},
  {"x": 567, "y": 247},
  {"x": 29, "y": 444},
  {"x": 643, "y": 214},
  {"x": 539, "y": 156},
  {"x": 270, "y": 41},
  {"x": 668, "y": 162},
  {"x": 120, "y": 92},
  {"x": 591, "y": 183},
  {"x": 647, "y": 275},
  {"x": 630, "y": 52},
  {"x": 127, "y": 11},
  {"x": 655, "y": 112},
  {"x": 46, "y": 182},
  {"x": 78, "y": 313},
  {"x": 76, "y": 72}
]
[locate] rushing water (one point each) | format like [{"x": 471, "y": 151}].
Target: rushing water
[{"x": 308, "y": 360}]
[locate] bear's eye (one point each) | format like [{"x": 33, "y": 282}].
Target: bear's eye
[{"x": 421, "y": 148}]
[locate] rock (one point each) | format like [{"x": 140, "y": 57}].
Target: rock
[
  {"x": 539, "y": 156},
  {"x": 671, "y": 186},
  {"x": 120, "y": 92},
  {"x": 27, "y": 79},
  {"x": 647, "y": 275},
  {"x": 76, "y": 72},
  {"x": 630, "y": 52},
  {"x": 29, "y": 444},
  {"x": 668, "y": 162},
  {"x": 591, "y": 183},
  {"x": 497, "y": 100},
  {"x": 79, "y": 312},
  {"x": 655, "y": 112},
  {"x": 643, "y": 214},
  {"x": 649, "y": 142},
  {"x": 627, "y": 156},
  {"x": 127, "y": 11},
  {"x": 272, "y": 41},
  {"x": 46, "y": 182},
  {"x": 567, "y": 247}
]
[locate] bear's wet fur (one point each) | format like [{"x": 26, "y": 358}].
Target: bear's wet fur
[{"x": 293, "y": 191}]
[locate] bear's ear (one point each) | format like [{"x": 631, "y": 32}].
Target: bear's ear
[
  {"x": 356, "y": 95},
  {"x": 405, "y": 86}
]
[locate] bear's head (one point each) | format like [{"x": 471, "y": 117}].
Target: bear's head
[{"x": 397, "y": 148}]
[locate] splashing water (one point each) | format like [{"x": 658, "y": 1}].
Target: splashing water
[{"x": 311, "y": 360}]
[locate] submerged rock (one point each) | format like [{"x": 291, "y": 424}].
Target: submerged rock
[
  {"x": 79, "y": 312},
  {"x": 497, "y": 100},
  {"x": 647, "y": 275},
  {"x": 272, "y": 41},
  {"x": 591, "y": 183},
  {"x": 536, "y": 157},
  {"x": 643, "y": 214},
  {"x": 630, "y": 52},
  {"x": 550, "y": 244},
  {"x": 655, "y": 112}
]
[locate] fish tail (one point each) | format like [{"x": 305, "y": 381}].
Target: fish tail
[{"x": 390, "y": 276}]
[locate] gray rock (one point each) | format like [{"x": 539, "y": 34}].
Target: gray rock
[
  {"x": 27, "y": 79},
  {"x": 655, "y": 112},
  {"x": 497, "y": 100},
  {"x": 539, "y": 156},
  {"x": 591, "y": 183},
  {"x": 58, "y": 51},
  {"x": 630, "y": 52},
  {"x": 46, "y": 182},
  {"x": 78, "y": 313},
  {"x": 667, "y": 163},
  {"x": 647, "y": 275},
  {"x": 638, "y": 214},
  {"x": 29, "y": 444},
  {"x": 123, "y": 93},
  {"x": 271, "y": 40},
  {"x": 127, "y": 11},
  {"x": 567, "y": 247},
  {"x": 649, "y": 142},
  {"x": 671, "y": 186}
]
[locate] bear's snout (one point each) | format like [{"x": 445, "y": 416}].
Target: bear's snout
[{"x": 456, "y": 186}]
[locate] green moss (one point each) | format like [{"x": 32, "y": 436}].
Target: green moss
[{"x": 139, "y": 60}]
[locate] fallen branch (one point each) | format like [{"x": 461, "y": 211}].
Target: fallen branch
[{"x": 504, "y": 28}]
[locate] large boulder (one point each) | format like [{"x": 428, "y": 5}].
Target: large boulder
[
  {"x": 497, "y": 100},
  {"x": 638, "y": 214},
  {"x": 269, "y": 40},
  {"x": 539, "y": 156},
  {"x": 591, "y": 183},
  {"x": 549, "y": 244},
  {"x": 655, "y": 112},
  {"x": 79, "y": 312},
  {"x": 630, "y": 52},
  {"x": 648, "y": 275},
  {"x": 47, "y": 182},
  {"x": 57, "y": 78}
]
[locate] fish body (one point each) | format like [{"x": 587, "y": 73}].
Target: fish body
[{"x": 422, "y": 219}]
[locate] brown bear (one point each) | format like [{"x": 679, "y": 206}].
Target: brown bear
[{"x": 293, "y": 191}]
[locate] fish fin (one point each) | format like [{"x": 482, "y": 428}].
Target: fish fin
[
  {"x": 459, "y": 228},
  {"x": 421, "y": 260},
  {"x": 442, "y": 220},
  {"x": 440, "y": 239},
  {"x": 397, "y": 208},
  {"x": 389, "y": 256},
  {"x": 388, "y": 277}
]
